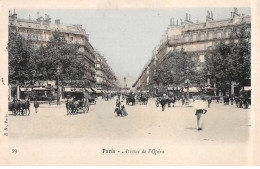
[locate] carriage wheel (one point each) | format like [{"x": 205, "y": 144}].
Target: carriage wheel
[
  {"x": 84, "y": 109},
  {"x": 87, "y": 109},
  {"x": 14, "y": 112},
  {"x": 68, "y": 110},
  {"x": 156, "y": 103}
]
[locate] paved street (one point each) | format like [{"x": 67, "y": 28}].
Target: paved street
[
  {"x": 221, "y": 122},
  {"x": 225, "y": 134}
]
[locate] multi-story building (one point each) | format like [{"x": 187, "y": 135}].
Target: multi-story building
[
  {"x": 192, "y": 37},
  {"x": 40, "y": 31},
  {"x": 106, "y": 78}
]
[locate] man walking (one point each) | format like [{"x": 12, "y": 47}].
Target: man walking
[
  {"x": 200, "y": 109},
  {"x": 209, "y": 102},
  {"x": 36, "y": 106}
]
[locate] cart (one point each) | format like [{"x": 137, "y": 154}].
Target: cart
[{"x": 78, "y": 103}]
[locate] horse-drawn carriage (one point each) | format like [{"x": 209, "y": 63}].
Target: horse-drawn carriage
[
  {"x": 165, "y": 100},
  {"x": 91, "y": 100},
  {"x": 244, "y": 99},
  {"x": 130, "y": 98},
  {"x": 107, "y": 96},
  {"x": 19, "y": 107},
  {"x": 142, "y": 99},
  {"x": 79, "y": 103}
]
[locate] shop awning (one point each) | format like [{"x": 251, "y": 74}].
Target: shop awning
[
  {"x": 191, "y": 89},
  {"x": 94, "y": 90},
  {"x": 69, "y": 89},
  {"x": 247, "y": 88},
  {"x": 210, "y": 88},
  {"x": 88, "y": 90},
  {"x": 26, "y": 89},
  {"x": 39, "y": 88}
]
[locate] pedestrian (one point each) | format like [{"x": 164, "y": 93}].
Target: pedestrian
[
  {"x": 124, "y": 113},
  {"x": 183, "y": 99},
  {"x": 200, "y": 109},
  {"x": 209, "y": 102},
  {"x": 36, "y": 106},
  {"x": 232, "y": 99},
  {"x": 164, "y": 101},
  {"x": 118, "y": 103},
  {"x": 50, "y": 100},
  {"x": 118, "y": 96}
]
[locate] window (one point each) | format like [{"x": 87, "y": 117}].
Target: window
[
  {"x": 218, "y": 35},
  {"x": 186, "y": 37},
  {"x": 202, "y": 36},
  {"x": 210, "y": 35},
  {"x": 194, "y": 37}
]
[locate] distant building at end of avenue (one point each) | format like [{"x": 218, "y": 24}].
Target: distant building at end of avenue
[{"x": 196, "y": 37}]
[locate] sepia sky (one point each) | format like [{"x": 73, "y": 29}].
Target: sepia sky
[{"x": 127, "y": 37}]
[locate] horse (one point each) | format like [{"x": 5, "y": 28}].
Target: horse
[
  {"x": 130, "y": 99},
  {"x": 16, "y": 107},
  {"x": 143, "y": 100},
  {"x": 25, "y": 106},
  {"x": 12, "y": 107},
  {"x": 226, "y": 100},
  {"x": 171, "y": 100},
  {"x": 71, "y": 107}
]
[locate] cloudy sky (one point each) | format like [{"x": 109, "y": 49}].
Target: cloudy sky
[{"x": 127, "y": 37}]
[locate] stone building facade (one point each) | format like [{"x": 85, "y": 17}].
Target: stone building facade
[
  {"x": 192, "y": 37},
  {"x": 106, "y": 78},
  {"x": 40, "y": 31}
]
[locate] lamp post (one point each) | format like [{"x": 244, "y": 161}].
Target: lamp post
[
  {"x": 188, "y": 81},
  {"x": 208, "y": 78},
  {"x": 58, "y": 74},
  {"x": 34, "y": 74}
]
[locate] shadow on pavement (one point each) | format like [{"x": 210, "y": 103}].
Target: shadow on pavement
[{"x": 191, "y": 128}]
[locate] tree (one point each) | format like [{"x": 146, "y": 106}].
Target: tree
[
  {"x": 231, "y": 61},
  {"x": 20, "y": 59},
  {"x": 58, "y": 53},
  {"x": 173, "y": 70},
  {"x": 28, "y": 63}
]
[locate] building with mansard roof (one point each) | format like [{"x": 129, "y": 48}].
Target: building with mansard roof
[
  {"x": 192, "y": 37},
  {"x": 106, "y": 78},
  {"x": 40, "y": 31}
]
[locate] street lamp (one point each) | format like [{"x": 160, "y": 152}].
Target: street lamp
[
  {"x": 58, "y": 74},
  {"x": 208, "y": 78},
  {"x": 188, "y": 81}
]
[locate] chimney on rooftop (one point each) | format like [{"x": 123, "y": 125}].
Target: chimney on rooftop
[
  {"x": 13, "y": 16},
  {"x": 57, "y": 21},
  {"x": 47, "y": 19},
  {"x": 235, "y": 13},
  {"x": 209, "y": 16}
]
